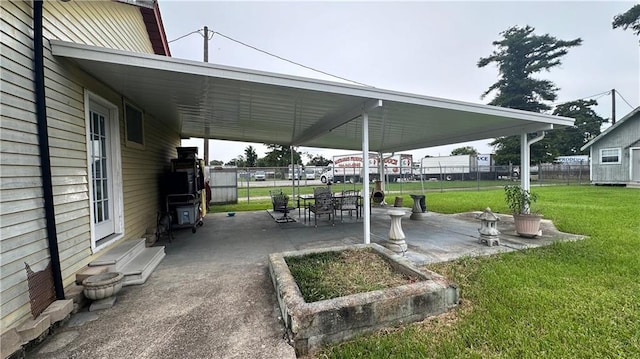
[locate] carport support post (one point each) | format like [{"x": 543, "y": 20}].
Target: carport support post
[
  {"x": 365, "y": 185},
  {"x": 525, "y": 161},
  {"x": 206, "y": 59}
]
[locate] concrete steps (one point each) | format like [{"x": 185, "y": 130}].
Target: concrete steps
[
  {"x": 133, "y": 259},
  {"x": 633, "y": 184}
]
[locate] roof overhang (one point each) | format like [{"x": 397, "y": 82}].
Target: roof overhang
[{"x": 220, "y": 102}]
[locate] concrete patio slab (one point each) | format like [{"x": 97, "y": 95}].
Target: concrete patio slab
[{"x": 212, "y": 297}]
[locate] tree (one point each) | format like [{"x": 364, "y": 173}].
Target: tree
[
  {"x": 466, "y": 150},
  {"x": 280, "y": 156},
  {"x": 629, "y": 19},
  {"x": 520, "y": 54},
  {"x": 215, "y": 163},
  {"x": 568, "y": 140},
  {"x": 250, "y": 156},
  {"x": 319, "y": 161},
  {"x": 238, "y": 162}
]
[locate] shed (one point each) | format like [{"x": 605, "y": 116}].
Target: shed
[{"x": 615, "y": 153}]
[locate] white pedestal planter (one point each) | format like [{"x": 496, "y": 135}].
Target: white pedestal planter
[{"x": 396, "y": 242}]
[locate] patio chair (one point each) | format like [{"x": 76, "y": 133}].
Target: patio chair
[
  {"x": 281, "y": 204},
  {"x": 349, "y": 201},
  {"x": 273, "y": 193},
  {"x": 323, "y": 205},
  {"x": 319, "y": 190}
]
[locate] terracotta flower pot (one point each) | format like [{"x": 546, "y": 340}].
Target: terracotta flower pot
[{"x": 527, "y": 225}]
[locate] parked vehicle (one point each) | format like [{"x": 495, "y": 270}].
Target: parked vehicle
[
  {"x": 294, "y": 173},
  {"x": 350, "y": 168},
  {"x": 260, "y": 176},
  {"x": 310, "y": 173},
  {"x": 463, "y": 167},
  {"x": 448, "y": 168}
]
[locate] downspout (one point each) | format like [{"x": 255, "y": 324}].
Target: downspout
[{"x": 43, "y": 144}]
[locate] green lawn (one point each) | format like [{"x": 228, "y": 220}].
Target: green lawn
[{"x": 569, "y": 300}]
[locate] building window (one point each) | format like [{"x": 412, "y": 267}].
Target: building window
[
  {"x": 134, "y": 120},
  {"x": 610, "y": 155}
]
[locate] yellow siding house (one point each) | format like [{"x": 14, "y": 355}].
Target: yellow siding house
[{"x": 105, "y": 154}]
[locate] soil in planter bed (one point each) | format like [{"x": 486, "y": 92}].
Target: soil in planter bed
[{"x": 329, "y": 275}]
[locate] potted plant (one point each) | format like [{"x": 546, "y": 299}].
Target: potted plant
[{"x": 519, "y": 202}]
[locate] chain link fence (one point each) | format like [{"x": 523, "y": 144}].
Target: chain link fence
[{"x": 256, "y": 182}]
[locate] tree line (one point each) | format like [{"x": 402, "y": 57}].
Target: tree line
[{"x": 277, "y": 156}]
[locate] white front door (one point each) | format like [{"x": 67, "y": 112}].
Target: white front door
[
  {"x": 635, "y": 164},
  {"x": 104, "y": 172},
  {"x": 100, "y": 167}
]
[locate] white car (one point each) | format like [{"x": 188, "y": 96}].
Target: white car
[{"x": 260, "y": 176}]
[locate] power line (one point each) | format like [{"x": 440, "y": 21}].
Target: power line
[
  {"x": 599, "y": 95},
  {"x": 623, "y": 99},
  {"x": 270, "y": 54},
  {"x": 290, "y": 61},
  {"x": 183, "y": 36},
  {"x": 604, "y": 93}
]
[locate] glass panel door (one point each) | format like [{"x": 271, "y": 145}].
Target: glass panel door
[{"x": 100, "y": 167}]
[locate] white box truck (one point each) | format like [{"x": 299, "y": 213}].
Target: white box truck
[
  {"x": 448, "y": 168},
  {"x": 463, "y": 167}
]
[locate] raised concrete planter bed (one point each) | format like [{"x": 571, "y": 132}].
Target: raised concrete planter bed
[{"x": 311, "y": 325}]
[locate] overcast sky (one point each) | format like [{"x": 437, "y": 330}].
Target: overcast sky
[{"x": 427, "y": 48}]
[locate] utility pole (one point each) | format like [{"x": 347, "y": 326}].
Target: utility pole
[
  {"x": 206, "y": 59},
  {"x": 613, "y": 107}
]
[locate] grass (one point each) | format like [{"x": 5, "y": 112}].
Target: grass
[
  {"x": 253, "y": 205},
  {"x": 330, "y": 275},
  {"x": 569, "y": 300}
]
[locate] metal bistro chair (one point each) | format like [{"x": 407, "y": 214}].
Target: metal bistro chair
[
  {"x": 349, "y": 201},
  {"x": 281, "y": 204},
  {"x": 273, "y": 193},
  {"x": 319, "y": 190},
  {"x": 323, "y": 205}
]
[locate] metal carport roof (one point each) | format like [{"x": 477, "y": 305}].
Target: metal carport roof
[
  {"x": 228, "y": 103},
  {"x": 220, "y": 102}
]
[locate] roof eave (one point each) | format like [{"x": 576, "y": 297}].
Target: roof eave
[{"x": 155, "y": 29}]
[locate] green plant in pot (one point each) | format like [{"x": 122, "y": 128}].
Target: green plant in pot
[{"x": 519, "y": 202}]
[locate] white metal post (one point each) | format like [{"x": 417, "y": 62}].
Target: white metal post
[
  {"x": 525, "y": 161},
  {"x": 365, "y": 161}
]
